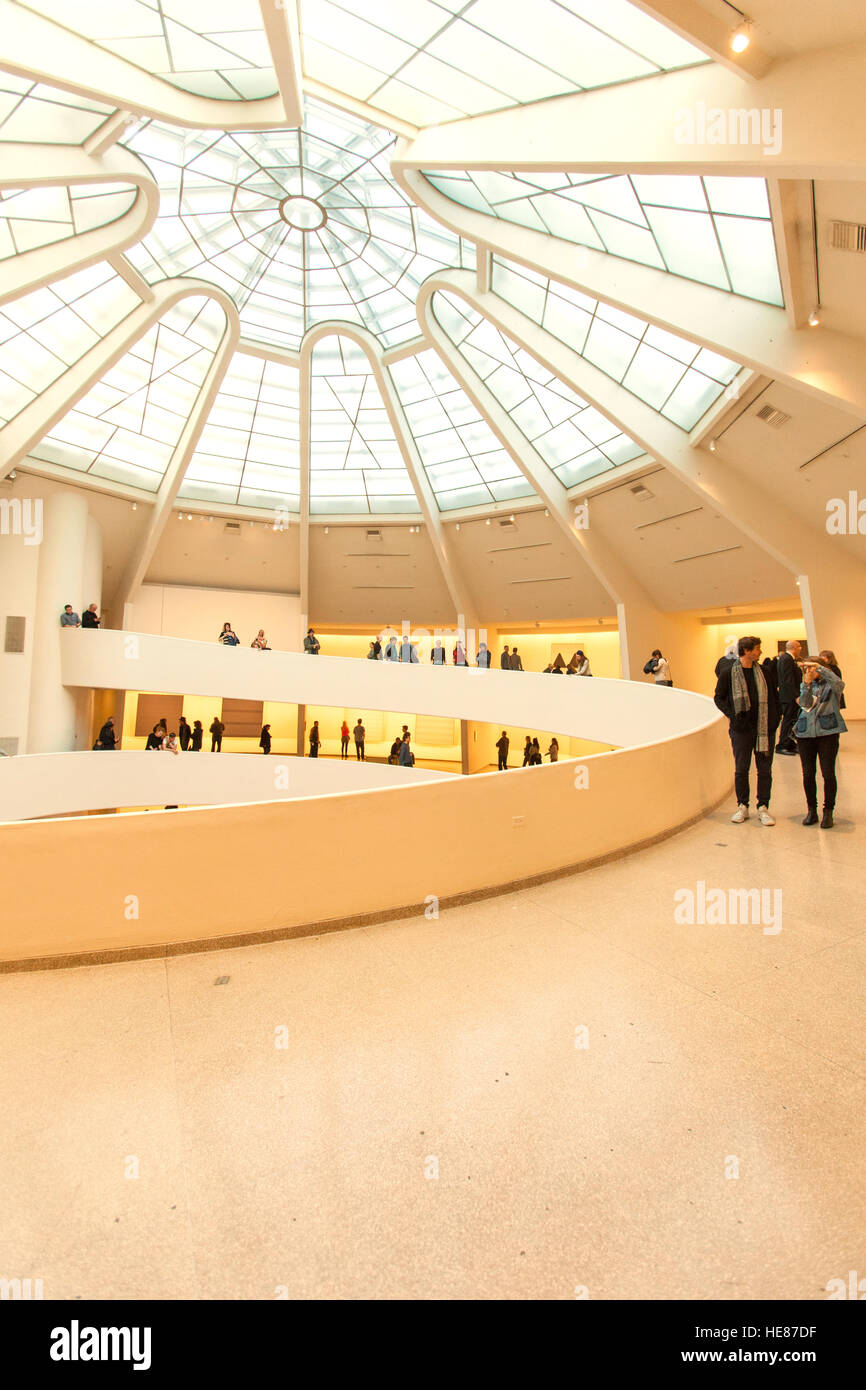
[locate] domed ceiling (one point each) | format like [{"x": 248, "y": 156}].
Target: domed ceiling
[{"x": 337, "y": 390}]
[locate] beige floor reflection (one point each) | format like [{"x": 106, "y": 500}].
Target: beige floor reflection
[{"x": 434, "y": 1126}]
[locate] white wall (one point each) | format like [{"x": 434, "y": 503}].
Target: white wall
[
  {"x": 18, "y": 573},
  {"x": 177, "y": 610}
]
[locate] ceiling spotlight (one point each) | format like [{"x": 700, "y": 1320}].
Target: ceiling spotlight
[
  {"x": 741, "y": 38},
  {"x": 713, "y": 445},
  {"x": 252, "y": 523},
  {"x": 487, "y": 521},
  {"x": 210, "y": 518},
  {"x": 13, "y": 475},
  {"x": 134, "y": 505},
  {"x": 815, "y": 317},
  {"x": 326, "y": 530},
  {"x": 458, "y": 525},
  {"x": 189, "y": 516},
  {"x": 511, "y": 518},
  {"x": 546, "y": 512}
]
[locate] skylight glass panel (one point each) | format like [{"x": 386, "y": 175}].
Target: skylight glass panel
[
  {"x": 715, "y": 230},
  {"x": 464, "y": 461},
  {"x": 34, "y": 113},
  {"x": 298, "y": 226},
  {"x": 127, "y": 426},
  {"x": 32, "y": 217},
  {"x": 215, "y": 48},
  {"x": 570, "y": 435},
  {"x": 356, "y": 464},
  {"x": 248, "y": 453},
  {"x": 45, "y": 332},
  {"x": 679, "y": 379},
  {"x": 430, "y": 61}
]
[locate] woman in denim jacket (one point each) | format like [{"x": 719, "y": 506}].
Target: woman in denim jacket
[{"x": 818, "y": 727}]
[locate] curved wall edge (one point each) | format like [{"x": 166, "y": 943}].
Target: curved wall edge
[{"x": 112, "y": 891}]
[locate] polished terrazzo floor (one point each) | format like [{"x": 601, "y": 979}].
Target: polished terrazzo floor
[{"x": 546, "y": 1092}]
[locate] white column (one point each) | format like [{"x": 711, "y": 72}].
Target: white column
[{"x": 65, "y": 568}]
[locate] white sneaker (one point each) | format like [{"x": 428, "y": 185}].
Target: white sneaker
[
  {"x": 764, "y": 816},
  {"x": 741, "y": 814}
]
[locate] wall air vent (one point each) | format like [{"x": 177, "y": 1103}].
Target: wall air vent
[
  {"x": 642, "y": 493},
  {"x": 507, "y": 524},
  {"x": 374, "y": 537},
  {"x": 848, "y": 236},
  {"x": 771, "y": 416},
  {"x": 233, "y": 528}
]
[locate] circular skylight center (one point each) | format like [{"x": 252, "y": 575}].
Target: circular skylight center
[{"x": 305, "y": 214}]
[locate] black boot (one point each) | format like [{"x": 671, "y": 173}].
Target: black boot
[
  {"x": 827, "y": 819},
  {"x": 811, "y": 816}
]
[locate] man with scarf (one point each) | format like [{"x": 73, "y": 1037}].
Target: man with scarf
[{"x": 746, "y": 693}]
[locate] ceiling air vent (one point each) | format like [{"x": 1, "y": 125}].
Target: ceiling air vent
[
  {"x": 848, "y": 236},
  {"x": 642, "y": 493},
  {"x": 233, "y": 528},
  {"x": 771, "y": 416},
  {"x": 508, "y": 523},
  {"x": 374, "y": 536}
]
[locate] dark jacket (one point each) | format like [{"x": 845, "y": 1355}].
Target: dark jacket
[
  {"x": 89, "y": 619},
  {"x": 197, "y": 739},
  {"x": 724, "y": 699},
  {"x": 184, "y": 734},
  {"x": 788, "y": 678},
  {"x": 107, "y": 737}
]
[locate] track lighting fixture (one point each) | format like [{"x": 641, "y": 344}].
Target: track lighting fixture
[
  {"x": 815, "y": 317},
  {"x": 741, "y": 38}
]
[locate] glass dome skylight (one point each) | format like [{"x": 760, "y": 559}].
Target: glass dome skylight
[{"x": 298, "y": 226}]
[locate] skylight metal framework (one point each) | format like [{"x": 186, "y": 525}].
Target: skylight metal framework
[
  {"x": 464, "y": 461},
  {"x": 220, "y": 219},
  {"x": 215, "y": 48},
  {"x": 127, "y": 426},
  {"x": 32, "y": 217},
  {"x": 677, "y": 378},
  {"x": 248, "y": 451},
  {"x": 43, "y": 115},
  {"x": 717, "y": 231},
  {"x": 423, "y": 60},
  {"x": 43, "y": 333},
  {"x": 573, "y": 438},
  {"x": 356, "y": 464}
]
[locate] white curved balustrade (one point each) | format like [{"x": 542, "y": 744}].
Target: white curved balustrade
[
  {"x": 151, "y": 883},
  {"x": 56, "y": 784},
  {"x": 623, "y": 713}
]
